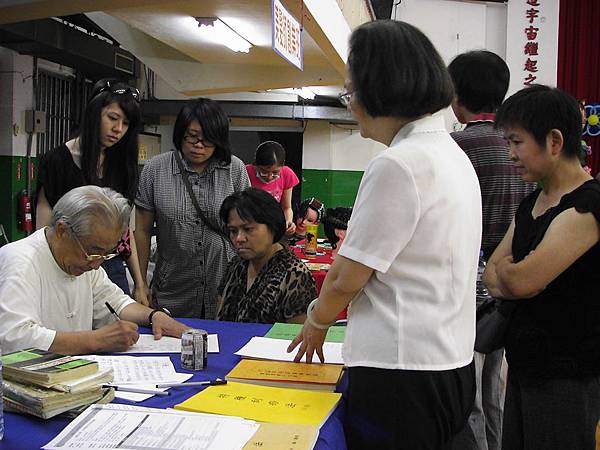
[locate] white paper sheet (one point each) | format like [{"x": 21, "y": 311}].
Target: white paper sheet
[
  {"x": 167, "y": 344},
  {"x": 275, "y": 349},
  {"x": 137, "y": 397},
  {"x": 137, "y": 369},
  {"x": 133, "y": 427}
]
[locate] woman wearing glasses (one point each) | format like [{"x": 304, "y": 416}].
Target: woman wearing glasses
[
  {"x": 269, "y": 173},
  {"x": 182, "y": 192},
  {"x": 104, "y": 153},
  {"x": 409, "y": 260}
]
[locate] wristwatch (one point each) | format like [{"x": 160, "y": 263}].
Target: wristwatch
[{"x": 154, "y": 311}]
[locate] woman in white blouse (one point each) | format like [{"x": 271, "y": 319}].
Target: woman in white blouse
[{"x": 409, "y": 260}]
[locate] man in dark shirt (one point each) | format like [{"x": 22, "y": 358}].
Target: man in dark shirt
[{"x": 481, "y": 81}]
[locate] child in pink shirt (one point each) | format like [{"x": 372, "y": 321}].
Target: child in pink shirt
[{"x": 269, "y": 173}]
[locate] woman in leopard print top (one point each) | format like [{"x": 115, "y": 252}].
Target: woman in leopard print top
[{"x": 265, "y": 282}]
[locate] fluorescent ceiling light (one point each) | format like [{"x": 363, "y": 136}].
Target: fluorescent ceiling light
[{"x": 217, "y": 31}]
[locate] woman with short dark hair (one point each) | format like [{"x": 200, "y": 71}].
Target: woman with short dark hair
[
  {"x": 409, "y": 260},
  {"x": 104, "y": 153},
  {"x": 182, "y": 192},
  {"x": 266, "y": 282},
  {"x": 546, "y": 268}
]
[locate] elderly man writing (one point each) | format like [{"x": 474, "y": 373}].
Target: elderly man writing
[{"x": 53, "y": 293}]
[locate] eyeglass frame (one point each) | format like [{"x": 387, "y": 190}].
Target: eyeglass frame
[
  {"x": 113, "y": 89},
  {"x": 261, "y": 174},
  {"x": 197, "y": 140},
  {"x": 346, "y": 97},
  {"x": 92, "y": 258}
]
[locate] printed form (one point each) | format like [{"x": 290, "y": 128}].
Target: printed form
[{"x": 133, "y": 427}]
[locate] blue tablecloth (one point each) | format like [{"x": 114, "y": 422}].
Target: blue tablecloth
[{"x": 28, "y": 432}]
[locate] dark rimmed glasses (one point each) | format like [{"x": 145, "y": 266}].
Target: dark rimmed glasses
[
  {"x": 93, "y": 258},
  {"x": 119, "y": 88},
  {"x": 194, "y": 140}
]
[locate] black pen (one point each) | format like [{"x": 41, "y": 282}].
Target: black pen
[
  {"x": 112, "y": 311},
  {"x": 216, "y": 382}
]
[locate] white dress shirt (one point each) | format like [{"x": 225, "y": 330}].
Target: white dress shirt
[{"x": 417, "y": 223}]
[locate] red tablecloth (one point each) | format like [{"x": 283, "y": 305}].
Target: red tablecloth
[{"x": 324, "y": 256}]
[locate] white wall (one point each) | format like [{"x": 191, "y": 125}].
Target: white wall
[
  {"x": 16, "y": 86},
  {"x": 22, "y": 100},
  {"x": 6, "y": 101},
  {"x": 328, "y": 146},
  {"x": 455, "y": 27}
]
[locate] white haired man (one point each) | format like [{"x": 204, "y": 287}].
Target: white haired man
[{"x": 53, "y": 293}]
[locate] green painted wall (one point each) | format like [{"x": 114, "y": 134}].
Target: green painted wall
[
  {"x": 13, "y": 179},
  {"x": 332, "y": 187}
]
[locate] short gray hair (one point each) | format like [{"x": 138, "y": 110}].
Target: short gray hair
[{"x": 86, "y": 205}]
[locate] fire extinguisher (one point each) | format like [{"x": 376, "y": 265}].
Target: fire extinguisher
[{"x": 24, "y": 212}]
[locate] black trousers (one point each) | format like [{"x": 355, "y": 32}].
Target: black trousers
[
  {"x": 407, "y": 409},
  {"x": 551, "y": 414}
]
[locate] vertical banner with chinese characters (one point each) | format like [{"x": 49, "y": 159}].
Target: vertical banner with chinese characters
[
  {"x": 287, "y": 35},
  {"x": 532, "y": 42}
]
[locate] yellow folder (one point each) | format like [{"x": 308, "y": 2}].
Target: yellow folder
[{"x": 264, "y": 404}]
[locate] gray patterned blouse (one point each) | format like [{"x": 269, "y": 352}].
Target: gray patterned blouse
[{"x": 191, "y": 258}]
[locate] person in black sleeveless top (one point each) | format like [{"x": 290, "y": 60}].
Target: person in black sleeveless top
[
  {"x": 548, "y": 265},
  {"x": 104, "y": 153}
]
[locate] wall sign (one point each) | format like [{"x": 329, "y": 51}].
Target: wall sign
[
  {"x": 287, "y": 35},
  {"x": 532, "y": 42}
]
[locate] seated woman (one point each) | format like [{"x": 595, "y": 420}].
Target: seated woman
[
  {"x": 548, "y": 263},
  {"x": 335, "y": 224},
  {"x": 265, "y": 282},
  {"x": 310, "y": 211}
]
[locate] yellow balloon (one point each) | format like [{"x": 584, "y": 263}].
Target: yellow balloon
[{"x": 593, "y": 120}]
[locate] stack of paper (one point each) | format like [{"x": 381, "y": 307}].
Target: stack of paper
[
  {"x": 276, "y": 349},
  {"x": 141, "y": 372}
]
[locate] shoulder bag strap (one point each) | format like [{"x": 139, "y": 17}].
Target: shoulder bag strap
[{"x": 209, "y": 223}]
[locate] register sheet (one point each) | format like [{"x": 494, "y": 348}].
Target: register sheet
[
  {"x": 133, "y": 427},
  {"x": 167, "y": 344}
]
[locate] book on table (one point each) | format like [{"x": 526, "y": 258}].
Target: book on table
[
  {"x": 277, "y": 436},
  {"x": 45, "y": 368},
  {"x": 316, "y": 377},
  {"x": 46, "y": 403},
  {"x": 264, "y": 403},
  {"x": 288, "y": 331}
]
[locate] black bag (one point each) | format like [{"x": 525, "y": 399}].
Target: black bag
[{"x": 493, "y": 318}]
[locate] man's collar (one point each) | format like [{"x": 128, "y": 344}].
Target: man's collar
[{"x": 483, "y": 117}]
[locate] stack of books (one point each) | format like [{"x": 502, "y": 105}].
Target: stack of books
[{"x": 46, "y": 384}]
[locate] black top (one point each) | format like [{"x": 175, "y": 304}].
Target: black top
[
  {"x": 58, "y": 174},
  {"x": 556, "y": 334}
]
